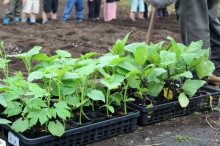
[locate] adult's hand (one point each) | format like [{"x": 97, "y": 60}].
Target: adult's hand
[{"x": 161, "y": 3}]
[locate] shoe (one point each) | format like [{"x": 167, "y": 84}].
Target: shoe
[
  {"x": 212, "y": 79},
  {"x": 132, "y": 19},
  {"x": 23, "y": 19},
  {"x": 32, "y": 20},
  {"x": 16, "y": 19},
  {"x": 6, "y": 20},
  {"x": 44, "y": 21},
  {"x": 158, "y": 17}
]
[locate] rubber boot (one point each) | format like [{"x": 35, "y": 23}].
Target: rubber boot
[
  {"x": 32, "y": 20},
  {"x": 16, "y": 19},
  {"x": 23, "y": 19},
  {"x": 6, "y": 20}
]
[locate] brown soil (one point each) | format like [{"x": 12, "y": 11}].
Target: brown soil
[{"x": 98, "y": 36}]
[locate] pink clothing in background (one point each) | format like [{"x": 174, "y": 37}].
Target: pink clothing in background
[{"x": 110, "y": 11}]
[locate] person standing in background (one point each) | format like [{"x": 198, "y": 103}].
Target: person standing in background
[
  {"x": 31, "y": 7},
  {"x": 137, "y": 4},
  {"x": 110, "y": 9},
  {"x": 13, "y": 10},
  {"x": 79, "y": 4},
  {"x": 94, "y": 9},
  {"x": 164, "y": 12},
  {"x": 49, "y": 6}
]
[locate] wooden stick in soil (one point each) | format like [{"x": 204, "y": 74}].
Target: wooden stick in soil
[{"x": 151, "y": 26}]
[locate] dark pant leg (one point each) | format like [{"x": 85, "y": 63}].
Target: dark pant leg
[
  {"x": 97, "y": 8},
  {"x": 91, "y": 6},
  {"x": 158, "y": 12},
  {"x": 165, "y": 12},
  {"x": 54, "y": 6},
  {"x": 9, "y": 12},
  {"x": 146, "y": 10},
  {"x": 214, "y": 26},
  {"x": 193, "y": 17},
  {"x": 18, "y": 9},
  {"x": 47, "y": 5}
]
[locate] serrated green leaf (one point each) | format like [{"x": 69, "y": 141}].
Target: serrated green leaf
[
  {"x": 154, "y": 58},
  {"x": 56, "y": 129},
  {"x": 13, "y": 108},
  {"x": 96, "y": 95},
  {"x": 183, "y": 100},
  {"x": 35, "y": 103},
  {"x": 118, "y": 48},
  {"x": 195, "y": 46},
  {"x": 20, "y": 125},
  {"x": 43, "y": 115},
  {"x": 62, "y": 110},
  {"x": 188, "y": 57},
  {"x": 191, "y": 86},
  {"x": 204, "y": 68},
  {"x": 34, "y": 51}
]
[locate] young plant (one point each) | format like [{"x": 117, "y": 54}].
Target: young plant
[
  {"x": 26, "y": 57},
  {"x": 3, "y": 60}
]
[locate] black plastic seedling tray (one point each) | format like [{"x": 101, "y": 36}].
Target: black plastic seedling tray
[
  {"x": 161, "y": 112},
  {"x": 80, "y": 135}
]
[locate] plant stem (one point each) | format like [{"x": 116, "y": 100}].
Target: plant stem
[
  {"x": 125, "y": 99},
  {"x": 107, "y": 97}
]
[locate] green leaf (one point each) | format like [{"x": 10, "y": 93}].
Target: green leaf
[
  {"x": 63, "y": 54},
  {"x": 4, "y": 121},
  {"x": 154, "y": 88},
  {"x": 132, "y": 47},
  {"x": 133, "y": 82},
  {"x": 167, "y": 58},
  {"x": 33, "y": 51},
  {"x": 43, "y": 115},
  {"x": 186, "y": 74},
  {"x": 114, "y": 81},
  {"x": 111, "y": 109},
  {"x": 130, "y": 99},
  {"x": 102, "y": 71},
  {"x": 117, "y": 97},
  {"x": 34, "y": 76},
  {"x": 2, "y": 101},
  {"x": 188, "y": 57},
  {"x": 204, "y": 68},
  {"x": 128, "y": 66},
  {"x": 125, "y": 38},
  {"x": 183, "y": 100},
  {"x": 35, "y": 103},
  {"x": 174, "y": 47},
  {"x": 13, "y": 108},
  {"x": 154, "y": 58},
  {"x": 42, "y": 57},
  {"x": 62, "y": 110},
  {"x": 141, "y": 55},
  {"x": 138, "y": 95},
  {"x": 191, "y": 86},
  {"x": 151, "y": 112},
  {"x": 118, "y": 48},
  {"x": 56, "y": 129},
  {"x": 194, "y": 47},
  {"x": 116, "y": 61},
  {"x": 69, "y": 75},
  {"x": 20, "y": 125},
  {"x": 88, "y": 55},
  {"x": 96, "y": 95},
  {"x": 156, "y": 72},
  {"x": 36, "y": 90}
]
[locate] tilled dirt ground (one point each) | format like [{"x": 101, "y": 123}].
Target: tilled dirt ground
[{"x": 98, "y": 36}]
